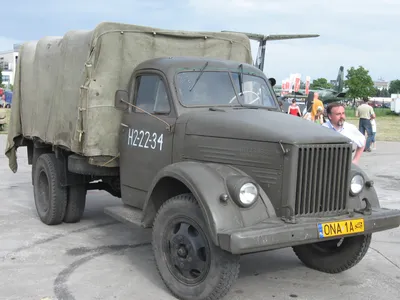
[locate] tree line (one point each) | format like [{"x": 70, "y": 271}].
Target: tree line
[{"x": 359, "y": 84}]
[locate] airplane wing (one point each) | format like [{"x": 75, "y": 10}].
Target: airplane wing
[
  {"x": 262, "y": 39},
  {"x": 274, "y": 37}
]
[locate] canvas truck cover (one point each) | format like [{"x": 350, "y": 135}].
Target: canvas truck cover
[{"x": 65, "y": 86}]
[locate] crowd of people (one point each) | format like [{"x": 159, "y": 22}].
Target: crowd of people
[{"x": 334, "y": 117}]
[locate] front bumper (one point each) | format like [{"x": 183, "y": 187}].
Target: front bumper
[{"x": 275, "y": 233}]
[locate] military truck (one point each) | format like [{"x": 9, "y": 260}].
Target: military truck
[{"x": 187, "y": 132}]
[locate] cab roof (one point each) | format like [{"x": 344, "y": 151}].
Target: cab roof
[{"x": 182, "y": 63}]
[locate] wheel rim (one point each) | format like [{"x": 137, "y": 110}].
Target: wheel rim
[
  {"x": 43, "y": 188},
  {"x": 186, "y": 250}
]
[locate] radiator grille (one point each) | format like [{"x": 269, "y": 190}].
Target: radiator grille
[{"x": 322, "y": 179}]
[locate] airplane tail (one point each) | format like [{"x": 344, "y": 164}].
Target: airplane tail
[{"x": 340, "y": 80}]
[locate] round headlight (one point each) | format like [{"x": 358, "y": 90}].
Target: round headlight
[
  {"x": 357, "y": 184},
  {"x": 248, "y": 194}
]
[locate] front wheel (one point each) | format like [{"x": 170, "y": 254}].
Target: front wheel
[
  {"x": 334, "y": 256},
  {"x": 190, "y": 265}
]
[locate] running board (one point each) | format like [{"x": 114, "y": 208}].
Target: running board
[{"x": 125, "y": 214}]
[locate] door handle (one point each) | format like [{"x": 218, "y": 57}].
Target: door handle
[{"x": 124, "y": 125}]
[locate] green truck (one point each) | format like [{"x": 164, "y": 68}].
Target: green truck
[{"x": 186, "y": 130}]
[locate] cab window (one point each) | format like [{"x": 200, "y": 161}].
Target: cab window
[{"x": 151, "y": 95}]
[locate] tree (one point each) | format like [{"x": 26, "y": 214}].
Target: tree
[
  {"x": 381, "y": 93},
  {"x": 394, "y": 87},
  {"x": 320, "y": 83},
  {"x": 359, "y": 83},
  {"x": 385, "y": 93}
]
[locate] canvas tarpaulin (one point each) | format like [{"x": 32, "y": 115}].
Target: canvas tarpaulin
[{"x": 64, "y": 87}]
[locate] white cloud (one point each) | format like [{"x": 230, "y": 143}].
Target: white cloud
[
  {"x": 89, "y": 7},
  {"x": 352, "y": 33},
  {"x": 295, "y": 7}
]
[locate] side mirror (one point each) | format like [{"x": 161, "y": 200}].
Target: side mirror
[{"x": 121, "y": 97}]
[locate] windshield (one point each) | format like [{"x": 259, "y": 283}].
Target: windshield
[{"x": 214, "y": 88}]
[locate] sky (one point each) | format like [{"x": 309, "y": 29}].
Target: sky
[{"x": 352, "y": 32}]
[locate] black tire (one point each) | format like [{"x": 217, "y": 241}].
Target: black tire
[
  {"x": 50, "y": 196},
  {"x": 333, "y": 257},
  {"x": 76, "y": 203},
  {"x": 221, "y": 268}
]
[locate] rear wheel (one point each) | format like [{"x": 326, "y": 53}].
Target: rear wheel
[
  {"x": 76, "y": 203},
  {"x": 334, "y": 256},
  {"x": 50, "y": 196},
  {"x": 190, "y": 265}
]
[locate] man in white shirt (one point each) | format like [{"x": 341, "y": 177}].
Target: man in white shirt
[
  {"x": 337, "y": 121},
  {"x": 366, "y": 113}
]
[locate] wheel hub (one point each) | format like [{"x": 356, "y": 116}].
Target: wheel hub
[
  {"x": 182, "y": 252},
  {"x": 188, "y": 253}
]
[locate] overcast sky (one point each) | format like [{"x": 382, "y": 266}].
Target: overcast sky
[{"x": 353, "y": 32}]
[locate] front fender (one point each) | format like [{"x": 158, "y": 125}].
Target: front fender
[
  {"x": 207, "y": 182},
  {"x": 368, "y": 193}
]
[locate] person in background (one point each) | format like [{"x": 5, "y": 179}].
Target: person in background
[
  {"x": 337, "y": 122},
  {"x": 281, "y": 105},
  {"x": 294, "y": 109},
  {"x": 373, "y": 139},
  {"x": 365, "y": 112},
  {"x": 307, "y": 115},
  {"x": 319, "y": 117},
  {"x": 315, "y": 104}
]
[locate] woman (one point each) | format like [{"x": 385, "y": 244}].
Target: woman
[{"x": 294, "y": 109}]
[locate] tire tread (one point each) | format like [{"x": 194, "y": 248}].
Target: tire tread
[
  {"x": 58, "y": 194},
  {"x": 305, "y": 256}
]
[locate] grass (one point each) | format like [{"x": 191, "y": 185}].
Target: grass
[
  {"x": 388, "y": 124},
  {"x": 379, "y": 112}
]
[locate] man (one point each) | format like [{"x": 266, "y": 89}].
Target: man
[
  {"x": 365, "y": 113},
  {"x": 315, "y": 104},
  {"x": 337, "y": 121}
]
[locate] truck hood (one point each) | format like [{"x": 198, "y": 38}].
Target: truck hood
[{"x": 259, "y": 125}]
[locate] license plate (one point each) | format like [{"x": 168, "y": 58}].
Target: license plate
[{"x": 332, "y": 229}]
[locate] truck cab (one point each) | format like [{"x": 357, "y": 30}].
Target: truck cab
[{"x": 167, "y": 94}]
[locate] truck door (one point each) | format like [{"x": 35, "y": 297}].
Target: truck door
[{"x": 145, "y": 141}]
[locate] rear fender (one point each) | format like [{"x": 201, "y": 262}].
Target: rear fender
[{"x": 207, "y": 182}]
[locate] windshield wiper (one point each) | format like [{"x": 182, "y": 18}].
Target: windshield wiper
[
  {"x": 198, "y": 77},
  {"x": 241, "y": 79}
]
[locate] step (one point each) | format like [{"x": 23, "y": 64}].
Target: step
[{"x": 125, "y": 214}]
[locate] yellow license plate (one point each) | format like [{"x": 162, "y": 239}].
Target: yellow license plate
[{"x": 332, "y": 229}]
